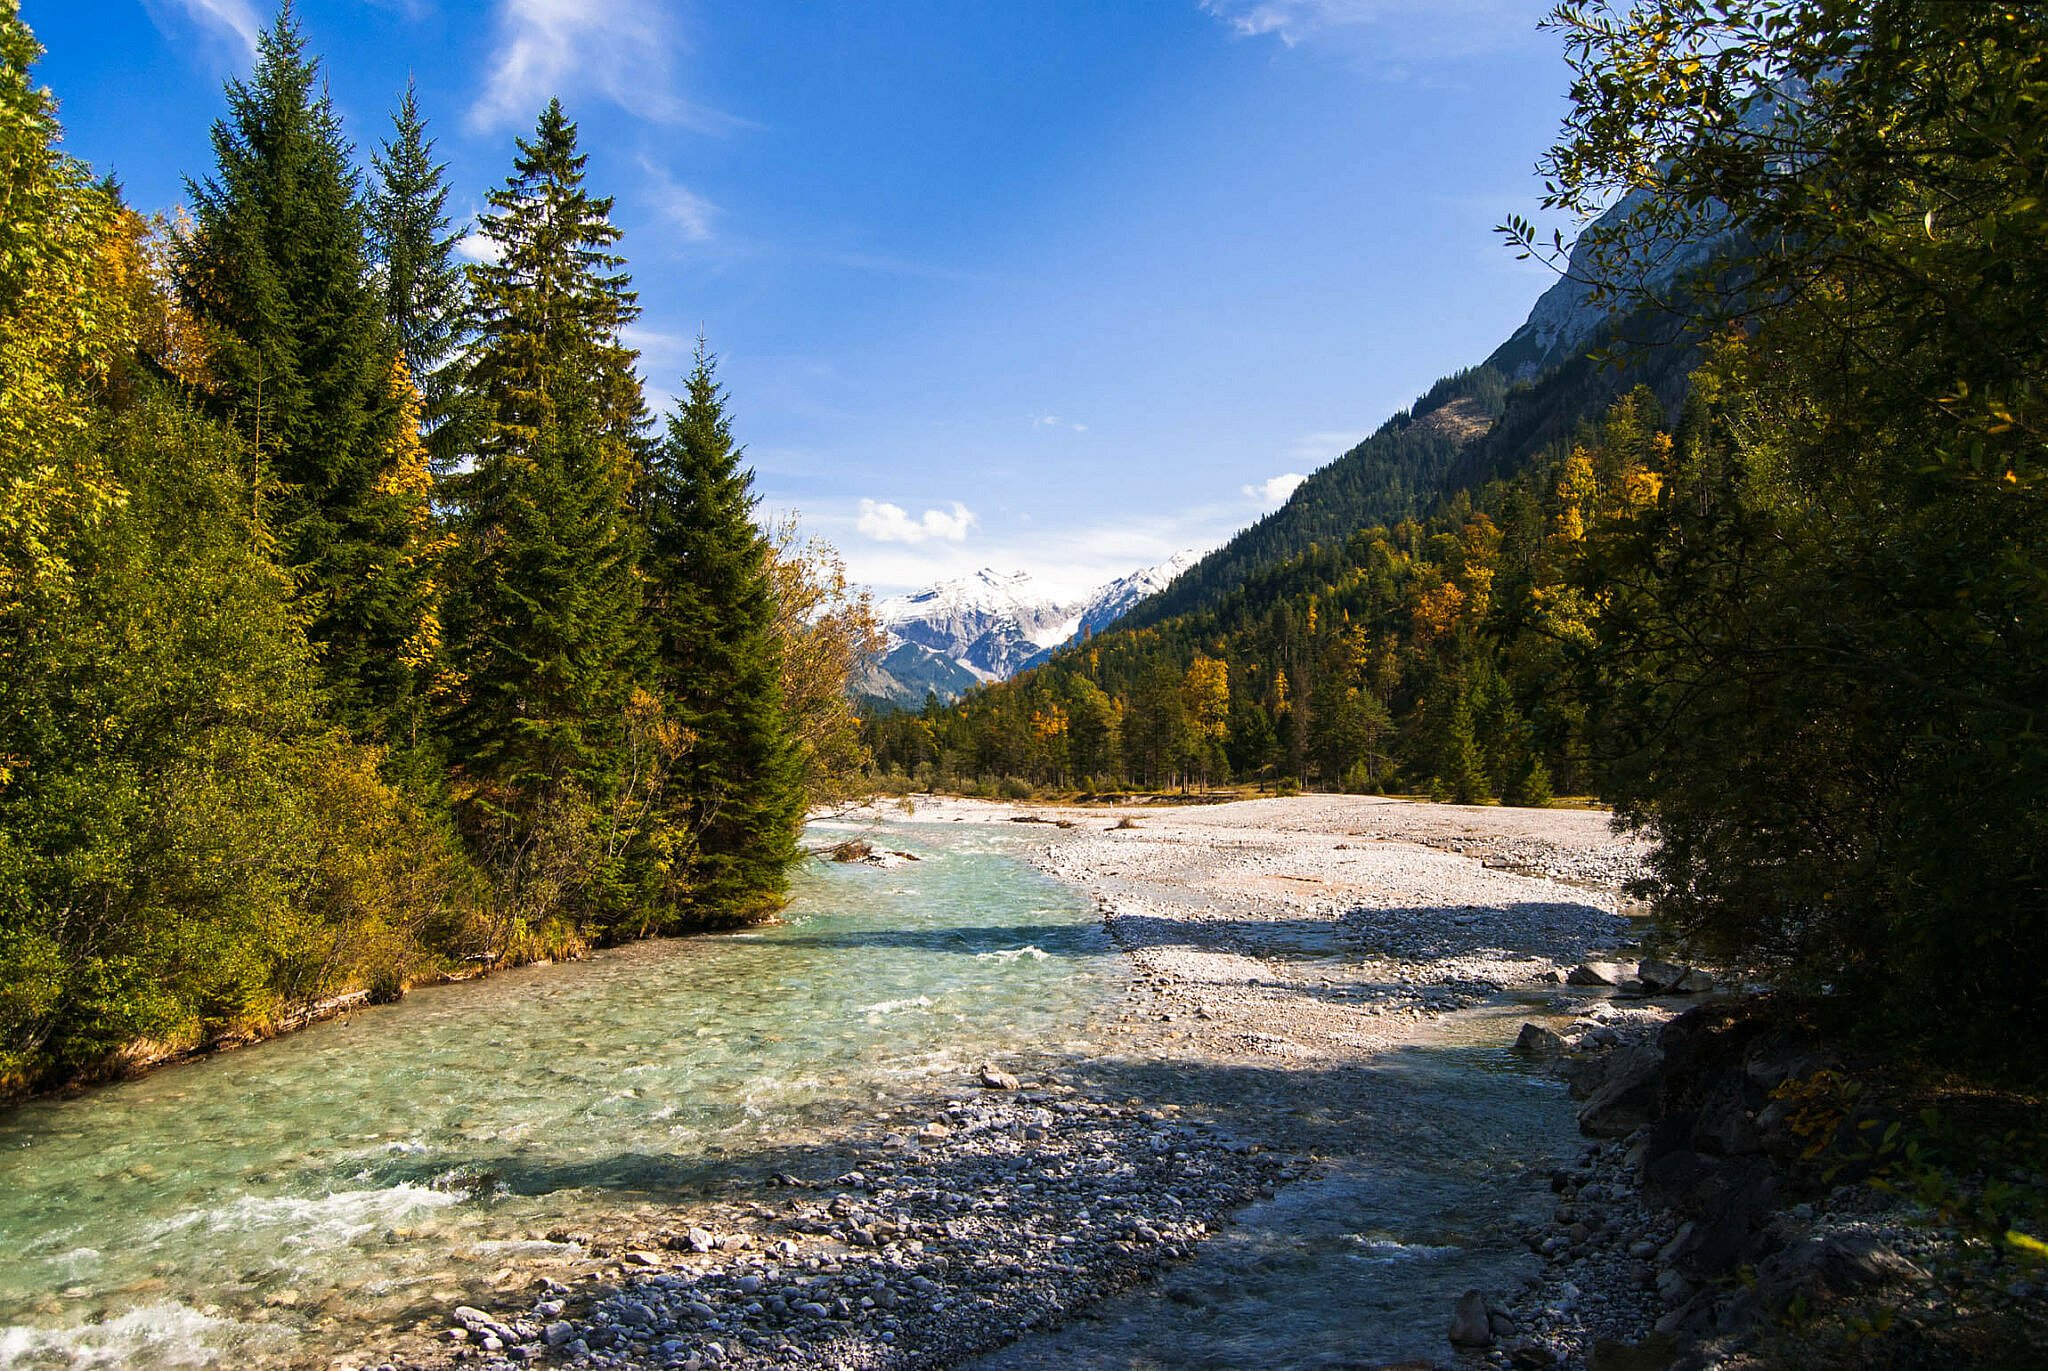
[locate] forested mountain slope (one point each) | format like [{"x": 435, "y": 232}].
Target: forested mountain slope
[{"x": 1473, "y": 425}]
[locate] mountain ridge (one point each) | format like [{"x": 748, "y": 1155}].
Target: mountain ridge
[{"x": 987, "y": 626}]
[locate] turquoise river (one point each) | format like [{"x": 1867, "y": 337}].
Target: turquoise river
[{"x": 278, "y": 1204}]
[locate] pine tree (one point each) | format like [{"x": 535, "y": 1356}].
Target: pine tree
[
  {"x": 545, "y": 615},
  {"x": 276, "y": 267},
  {"x": 739, "y": 795},
  {"x": 424, "y": 299}
]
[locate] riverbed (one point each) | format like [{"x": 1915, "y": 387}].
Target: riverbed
[{"x": 1263, "y": 1113}]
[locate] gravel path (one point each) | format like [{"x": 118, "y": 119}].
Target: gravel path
[{"x": 1305, "y": 974}]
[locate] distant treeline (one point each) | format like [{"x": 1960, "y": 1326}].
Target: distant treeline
[
  {"x": 1786, "y": 607},
  {"x": 357, "y": 625},
  {"x": 1432, "y": 655}
]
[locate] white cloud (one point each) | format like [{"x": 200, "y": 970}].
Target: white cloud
[
  {"x": 621, "y": 50},
  {"x": 688, "y": 212},
  {"x": 1274, "y": 490},
  {"x": 477, "y": 246},
  {"x": 887, "y": 523},
  {"x": 236, "y": 17},
  {"x": 1065, "y": 563},
  {"x": 1322, "y": 446},
  {"x": 1054, "y": 421},
  {"x": 1399, "y": 31},
  {"x": 641, "y": 338}
]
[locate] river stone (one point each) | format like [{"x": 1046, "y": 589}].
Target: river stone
[
  {"x": 1470, "y": 1324},
  {"x": 1658, "y": 975},
  {"x": 558, "y": 1333},
  {"x": 1654, "y": 1353},
  {"x": 1598, "y": 973},
  {"x": 1543, "y": 1042}
]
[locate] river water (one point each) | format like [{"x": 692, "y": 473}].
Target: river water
[
  {"x": 286, "y": 1204},
  {"x": 278, "y": 1204}
]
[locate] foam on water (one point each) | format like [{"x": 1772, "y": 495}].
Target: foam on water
[
  {"x": 897, "y": 1006},
  {"x": 153, "y": 1335},
  {"x": 326, "y": 1221},
  {"x": 1011, "y": 954}
]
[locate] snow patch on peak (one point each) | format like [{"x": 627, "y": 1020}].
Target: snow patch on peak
[{"x": 990, "y": 625}]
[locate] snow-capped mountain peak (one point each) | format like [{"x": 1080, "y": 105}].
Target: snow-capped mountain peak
[
  {"x": 990, "y": 625},
  {"x": 1120, "y": 596},
  {"x": 993, "y": 623}
]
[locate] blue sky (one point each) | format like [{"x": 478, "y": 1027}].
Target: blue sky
[{"x": 1059, "y": 286}]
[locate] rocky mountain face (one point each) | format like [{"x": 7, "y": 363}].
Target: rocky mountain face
[
  {"x": 993, "y": 623},
  {"x": 988, "y": 627},
  {"x": 1122, "y": 595}
]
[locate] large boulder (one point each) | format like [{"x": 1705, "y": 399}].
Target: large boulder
[
  {"x": 1733, "y": 1201},
  {"x": 1625, "y": 1097},
  {"x": 1825, "y": 1269},
  {"x": 1726, "y": 1120},
  {"x": 1600, "y": 973},
  {"x": 1659, "y": 976},
  {"x": 1471, "y": 1324},
  {"x": 1539, "y": 1041}
]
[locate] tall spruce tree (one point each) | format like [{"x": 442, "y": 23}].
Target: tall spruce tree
[
  {"x": 276, "y": 267},
  {"x": 739, "y": 794},
  {"x": 424, "y": 298},
  {"x": 550, "y": 314},
  {"x": 547, "y": 603}
]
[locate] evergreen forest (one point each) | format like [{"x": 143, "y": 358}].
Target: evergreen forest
[{"x": 359, "y": 625}]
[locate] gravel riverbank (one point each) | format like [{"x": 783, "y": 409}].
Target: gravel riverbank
[{"x": 1305, "y": 975}]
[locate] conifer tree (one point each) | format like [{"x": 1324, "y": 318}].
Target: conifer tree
[
  {"x": 424, "y": 299},
  {"x": 546, "y": 608},
  {"x": 740, "y": 792},
  {"x": 550, "y": 312},
  {"x": 276, "y": 268}
]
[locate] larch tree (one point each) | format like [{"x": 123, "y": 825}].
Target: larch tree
[{"x": 710, "y": 574}]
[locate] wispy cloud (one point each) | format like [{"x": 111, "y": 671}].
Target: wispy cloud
[
  {"x": 641, "y": 338},
  {"x": 1396, "y": 32},
  {"x": 621, "y": 50},
  {"x": 686, "y": 211},
  {"x": 1274, "y": 490},
  {"x": 1054, "y": 421},
  {"x": 1323, "y": 446},
  {"x": 231, "y": 18},
  {"x": 887, "y": 523},
  {"x": 1065, "y": 565},
  {"x": 1064, "y": 562}
]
